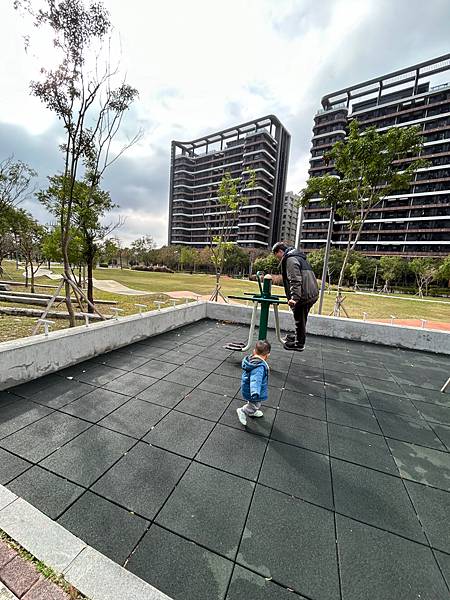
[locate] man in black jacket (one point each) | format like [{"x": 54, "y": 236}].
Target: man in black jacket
[{"x": 301, "y": 289}]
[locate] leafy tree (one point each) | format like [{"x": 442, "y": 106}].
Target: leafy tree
[
  {"x": 315, "y": 259},
  {"x": 189, "y": 256},
  {"x": 355, "y": 270},
  {"x": 29, "y": 235},
  {"x": 15, "y": 183},
  {"x": 391, "y": 268},
  {"x": 7, "y": 241},
  {"x": 367, "y": 172},
  {"x": 89, "y": 205},
  {"x": 169, "y": 256},
  {"x": 142, "y": 250},
  {"x": 269, "y": 264},
  {"x": 444, "y": 269},
  {"x": 80, "y": 92},
  {"x": 425, "y": 270},
  {"x": 229, "y": 202},
  {"x": 51, "y": 246}
]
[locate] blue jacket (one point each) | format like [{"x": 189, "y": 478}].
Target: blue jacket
[{"x": 255, "y": 379}]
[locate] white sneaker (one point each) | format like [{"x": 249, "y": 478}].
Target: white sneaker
[
  {"x": 257, "y": 413},
  {"x": 241, "y": 416}
]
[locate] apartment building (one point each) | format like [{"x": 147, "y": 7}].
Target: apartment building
[
  {"x": 411, "y": 224},
  {"x": 197, "y": 168},
  {"x": 289, "y": 218}
]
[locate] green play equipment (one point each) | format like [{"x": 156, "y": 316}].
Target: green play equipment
[{"x": 266, "y": 299}]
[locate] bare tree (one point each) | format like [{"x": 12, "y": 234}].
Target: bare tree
[
  {"x": 15, "y": 183},
  {"x": 80, "y": 92}
]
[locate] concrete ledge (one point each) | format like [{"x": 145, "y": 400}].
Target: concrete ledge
[
  {"x": 412, "y": 338},
  {"x": 32, "y": 357},
  {"x": 92, "y": 573},
  {"x": 100, "y": 578}
]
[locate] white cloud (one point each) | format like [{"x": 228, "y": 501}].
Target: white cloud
[{"x": 204, "y": 65}]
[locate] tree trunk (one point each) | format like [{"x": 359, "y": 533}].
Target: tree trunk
[
  {"x": 32, "y": 277},
  {"x": 68, "y": 275},
  {"x": 90, "y": 283}
]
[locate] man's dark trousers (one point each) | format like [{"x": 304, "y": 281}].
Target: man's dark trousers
[{"x": 301, "y": 311}]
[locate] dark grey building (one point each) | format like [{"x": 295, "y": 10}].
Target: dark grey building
[
  {"x": 289, "y": 219},
  {"x": 415, "y": 223},
  {"x": 197, "y": 167}
]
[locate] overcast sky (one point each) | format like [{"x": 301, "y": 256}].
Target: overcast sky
[{"x": 204, "y": 65}]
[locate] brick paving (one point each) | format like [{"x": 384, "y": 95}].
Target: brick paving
[
  {"x": 21, "y": 578},
  {"x": 340, "y": 492}
]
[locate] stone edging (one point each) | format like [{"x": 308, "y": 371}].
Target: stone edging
[{"x": 89, "y": 571}]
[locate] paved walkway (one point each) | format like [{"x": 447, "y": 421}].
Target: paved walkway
[{"x": 340, "y": 492}]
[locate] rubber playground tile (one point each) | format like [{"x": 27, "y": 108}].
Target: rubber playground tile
[
  {"x": 433, "y": 412},
  {"x": 135, "y": 417},
  {"x": 300, "y": 431},
  {"x": 361, "y": 447},
  {"x": 404, "y": 428},
  {"x": 143, "y": 351},
  {"x": 29, "y": 389},
  {"x": 38, "y": 440},
  {"x": 93, "y": 519},
  {"x": 433, "y": 508},
  {"x": 95, "y": 405},
  {"x": 126, "y": 361},
  {"x": 443, "y": 433},
  {"x": 165, "y": 393},
  {"x": 444, "y": 563},
  {"x": 424, "y": 378},
  {"x": 295, "y": 383},
  {"x": 199, "y": 573},
  {"x": 302, "y": 404},
  {"x": 175, "y": 357},
  {"x": 424, "y": 395},
  {"x": 206, "y": 405},
  {"x": 423, "y": 465},
  {"x": 130, "y": 384},
  {"x": 374, "y": 498},
  {"x": 259, "y": 426},
  {"x": 19, "y": 414},
  {"x": 382, "y": 385},
  {"x": 220, "y": 384},
  {"x": 400, "y": 405},
  {"x": 99, "y": 374},
  {"x": 187, "y": 376},
  {"x": 351, "y": 415},
  {"x": 62, "y": 392},
  {"x": 352, "y": 395},
  {"x": 155, "y": 368},
  {"x": 343, "y": 379},
  {"x": 298, "y": 472},
  {"x": 208, "y": 507},
  {"x": 180, "y": 433},
  {"x": 245, "y": 585},
  {"x": 47, "y": 492},
  {"x": 88, "y": 456},
  {"x": 285, "y": 538},
  {"x": 203, "y": 364},
  {"x": 11, "y": 466},
  {"x": 142, "y": 480},
  {"x": 233, "y": 451},
  {"x": 306, "y": 372},
  {"x": 218, "y": 354},
  {"x": 379, "y": 564}
]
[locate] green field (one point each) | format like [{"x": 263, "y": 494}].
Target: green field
[{"x": 157, "y": 284}]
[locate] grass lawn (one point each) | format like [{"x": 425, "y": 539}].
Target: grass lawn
[{"x": 157, "y": 284}]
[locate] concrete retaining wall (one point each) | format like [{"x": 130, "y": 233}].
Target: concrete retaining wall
[
  {"x": 28, "y": 358},
  {"x": 412, "y": 338}
]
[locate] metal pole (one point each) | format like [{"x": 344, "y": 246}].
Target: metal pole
[
  {"x": 264, "y": 317},
  {"x": 325, "y": 260}
]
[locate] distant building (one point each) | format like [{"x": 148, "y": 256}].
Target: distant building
[
  {"x": 416, "y": 223},
  {"x": 197, "y": 167},
  {"x": 289, "y": 218}
]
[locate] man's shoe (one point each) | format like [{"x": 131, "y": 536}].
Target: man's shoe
[
  {"x": 257, "y": 413},
  {"x": 290, "y": 337},
  {"x": 293, "y": 346},
  {"x": 241, "y": 416}
]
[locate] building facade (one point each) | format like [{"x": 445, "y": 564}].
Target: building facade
[
  {"x": 411, "y": 224},
  {"x": 289, "y": 218},
  {"x": 197, "y": 168}
]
